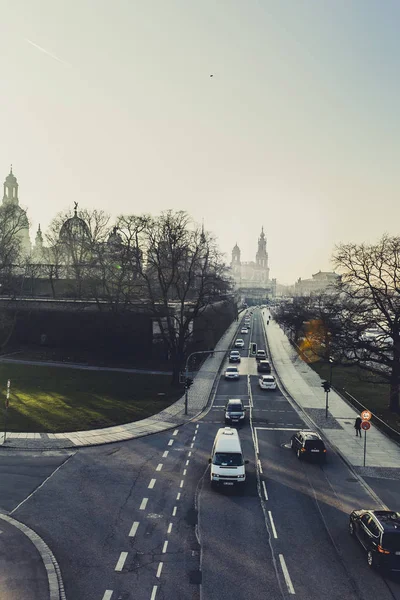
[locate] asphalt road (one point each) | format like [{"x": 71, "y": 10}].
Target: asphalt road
[{"x": 138, "y": 519}]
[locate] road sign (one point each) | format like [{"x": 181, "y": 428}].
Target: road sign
[
  {"x": 365, "y": 425},
  {"x": 366, "y": 415}
]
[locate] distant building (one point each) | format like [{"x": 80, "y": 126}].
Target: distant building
[
  {"x": 19, "y": 222},
  {"x": 320, "y": 282}
]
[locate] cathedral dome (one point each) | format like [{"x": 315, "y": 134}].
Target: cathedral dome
[
  {"x": 11, "y": 178},
  {"x": 74, "y": 228}
]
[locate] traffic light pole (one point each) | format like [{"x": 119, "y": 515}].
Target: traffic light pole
[
  {"x": 326, "y": 404},
  {"x": 187, "y": 371}
]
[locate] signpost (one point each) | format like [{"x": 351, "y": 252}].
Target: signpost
[
  {"x": 365, "y": 425},
  {"x": 6, "y": 411}
]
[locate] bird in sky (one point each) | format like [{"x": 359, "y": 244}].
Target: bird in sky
[{"x": 211, "y": 75}]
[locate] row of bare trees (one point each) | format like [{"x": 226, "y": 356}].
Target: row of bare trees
[{"x": 358, "y": 322}]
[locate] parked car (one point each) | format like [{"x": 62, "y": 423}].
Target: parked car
[
  {"x": 239, "y": 343},
  {"x": 234, "y": 411},
  {"x": 378, "y": 531},
  {"x": 264, "y": 367},
  {"x": 232, "y": 373},
  {"x": 244, "y": 330},
  {"x": 261, "y": 355},
  {"x": 234, "y": 356},
  {"x": 308, "y": 444},
  {"x": 267, "y": 382}
]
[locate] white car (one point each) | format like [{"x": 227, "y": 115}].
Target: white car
[
  {"x": 232, "y": 373},
  {"x": 239, "y": 343},
  {"x": 267, "y": 382},
  {"x": 244, "y": 330}
]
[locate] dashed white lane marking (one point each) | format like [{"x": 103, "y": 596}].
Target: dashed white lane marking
[
  {"x": 152, "y": 483},
  {"x": 191, "y": 445},
  {"x": 265, "y": 490},
  {"x": 286, "y": 575},
  {"x": 174, "y": 512},
  {"x": 178, "y": 496},
  {"x": 190, "y": 453},
  {"x": 197, "y": 426},
  {"x": 159, "y": 467},
  {"x": 107, "y": 595},
  {"x": 175, "y": 432},
  {"x": 121, "y": 561},
  {"x": 159, "y": 569},
  {"x": 169, "y": 528},
  {"x": 181, "y": 483},
  {"x": 194, "y": 438},
  {"x": 184, "y": 472},
  {"x": 170, "y": 442},
  {"x": 154, "y": 592},
  {"x": 144, "y": 504},
  {"x": 164, "y": 548},
  {"x": 187, "y": 462},
  {"x": 272, "y": 525},
  {"x": 133, "y": 530},
  {"x": 165, "y": 454},
  {"x": 259, "y": 466}
]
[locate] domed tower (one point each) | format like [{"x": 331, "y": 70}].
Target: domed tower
[
  {"x": 74, "y": 238},
  {"x": 14, "y": 214},
  {"x": 262, "y": 256}
]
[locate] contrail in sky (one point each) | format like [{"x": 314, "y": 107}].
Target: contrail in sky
[{"x": 63, "y": 62}]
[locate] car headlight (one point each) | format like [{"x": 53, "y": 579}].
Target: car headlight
[{"x": 242, "y": 416}]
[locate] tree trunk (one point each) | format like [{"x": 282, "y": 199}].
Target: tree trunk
[{"x": 394, "y": 404}]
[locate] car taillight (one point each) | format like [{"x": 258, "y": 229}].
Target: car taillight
[
  {"x": 324, "y": 449},
  {"x": 382, "y": 550},
  {"x": 302, "y": 450}
]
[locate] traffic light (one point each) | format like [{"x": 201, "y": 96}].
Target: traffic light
[
  {"x": 188, "y": 382},
  {"x": 254, "y": 348},
  {"x": 326, "y": 385}
]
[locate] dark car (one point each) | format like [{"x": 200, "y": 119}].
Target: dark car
[
  {"x": 308, "y": 444},
  {"x": 264, "y": 366},
  {"x": 234, "y": 411},
  {"x": 378, "y": 531}
]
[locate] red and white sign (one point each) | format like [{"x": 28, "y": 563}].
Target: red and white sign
[
  {"x": 365, "y": 425},
  {"x": 366, "y": 415}
]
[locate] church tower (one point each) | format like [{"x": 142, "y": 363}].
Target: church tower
[
  {"x": 262, "y": 256},
  {"x": 20, "y": 221},
  {"x": 38, "y": 247}
]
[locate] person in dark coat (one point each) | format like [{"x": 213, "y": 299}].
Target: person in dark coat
[{"x": 357, "y": 426}]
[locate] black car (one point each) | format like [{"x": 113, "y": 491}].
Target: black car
[
  {"x": 234, "y": 411},
  {"x": 264, "y": 366},
  {"x": 378, "y": 531},
  {"x": 308, "y": 444}
]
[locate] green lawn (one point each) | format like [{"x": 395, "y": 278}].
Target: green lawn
[
  {"x": 54, "y": 400},
  {"x": 374, "y": 396}
]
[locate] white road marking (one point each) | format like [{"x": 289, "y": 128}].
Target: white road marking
[
  {"x": 265, "y": 490},
  {"x": 169, "y": 528},
  {"x": 151, "y": 484},
  {"x": 144, "y": 504},
  {"x": 165, "y": 454},
  {"x": 176, "y": 431},
  {"x": 184, "y": 472},
  {"x": 259, "y": 466},
  {"x": 178, "y": 496},
  {"x": 286, "y": 575},
  {"x": 278, "y": 429},
  {"x": 121, "y": 561},
  {"x": 154, "y": 592},
  {"x": 272, "y": 525},
  {"x": 187, "y": 462},
  {"x": 164, "y": 549},
  {"x": 159, "y": 467},
  {"x": 197, "y": 426},
  {"x": 133, "y": 530},
  {"x": 159, "y": 569},
  {"x": 181, "y": 483},
  {"x": 194, "y": 438},
  {"x": 190, "y": 453},
  {"x": 170, "y": 442},
  {"x": 107, "y": 595},
  {"x": 191, "y": 445},
  {"x": 174, "y": 512}
]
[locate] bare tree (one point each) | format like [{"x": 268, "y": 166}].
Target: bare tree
[{"x": 371, "y": 315}]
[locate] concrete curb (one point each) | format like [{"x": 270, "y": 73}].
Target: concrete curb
[{"x": 56, "y": 586}]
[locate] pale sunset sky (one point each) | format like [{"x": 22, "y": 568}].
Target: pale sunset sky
[{"x": 111, "y": 104}]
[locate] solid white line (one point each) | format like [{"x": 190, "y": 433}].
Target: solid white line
[
  {"x": 151, "y": 484},
  {"x": 286, "y": 575},
  {"x": 181, "y": 483},
  {"x": 159, "y": 467},
  {"x": 154, "y": 592},
  {"x": 278, "y": 429},
  {"x": 169, "y": 528},
  {"x": 121, "y": 561},
  {"x": 133, "y": 530},
  {"x": 187, "y": 462},
  {"x": 175, "y": 432},
  {"x": 259, "y": 466},
  {"x": 265, "y": 490},
  {"x": 107, "y": 595},
  {"x": 159, "y": 569},
  {"x": 165, "y": 454},
  {"x": 174, "y": 511},
  {"x": 170, "y": 442},
  {"x": 184, "y": 472},
  {"x": 272, "y": 525},
  {"x": 165, "y": 547},
  {"x": 178, "y": 496},
  {"x": 144, "y": 504}
]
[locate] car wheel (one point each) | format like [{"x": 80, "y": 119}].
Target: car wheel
[
  {"x": 351, "y": 528},
  {"x": 371, "y": 559},
  {"x": 299, "y": 454}
]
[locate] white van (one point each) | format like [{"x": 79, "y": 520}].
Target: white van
[{"x": 227, "y": 463}]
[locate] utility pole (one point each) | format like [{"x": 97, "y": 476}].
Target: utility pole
[{"x": 6, "y": 411}]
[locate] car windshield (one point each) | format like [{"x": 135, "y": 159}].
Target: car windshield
[
  {"x": 229, "y": 459},
  {"x": 391, "y": 541},
  {"x": 234, "y": 408},
  {"x": 232, "y": 370}
]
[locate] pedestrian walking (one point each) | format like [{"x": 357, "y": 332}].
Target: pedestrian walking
[{"x": 357, "y": 426}]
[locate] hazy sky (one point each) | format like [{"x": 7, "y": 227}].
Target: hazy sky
[{"x": 297, "y": 130}]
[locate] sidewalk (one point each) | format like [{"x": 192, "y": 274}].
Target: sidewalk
[
  {"x": 304, "y": 385},
  {"x": 172, "y": 416}
]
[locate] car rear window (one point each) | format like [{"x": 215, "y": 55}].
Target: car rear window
[
  {"x": 391, "y": 541},
  {"x": 317, "y": 444}
]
